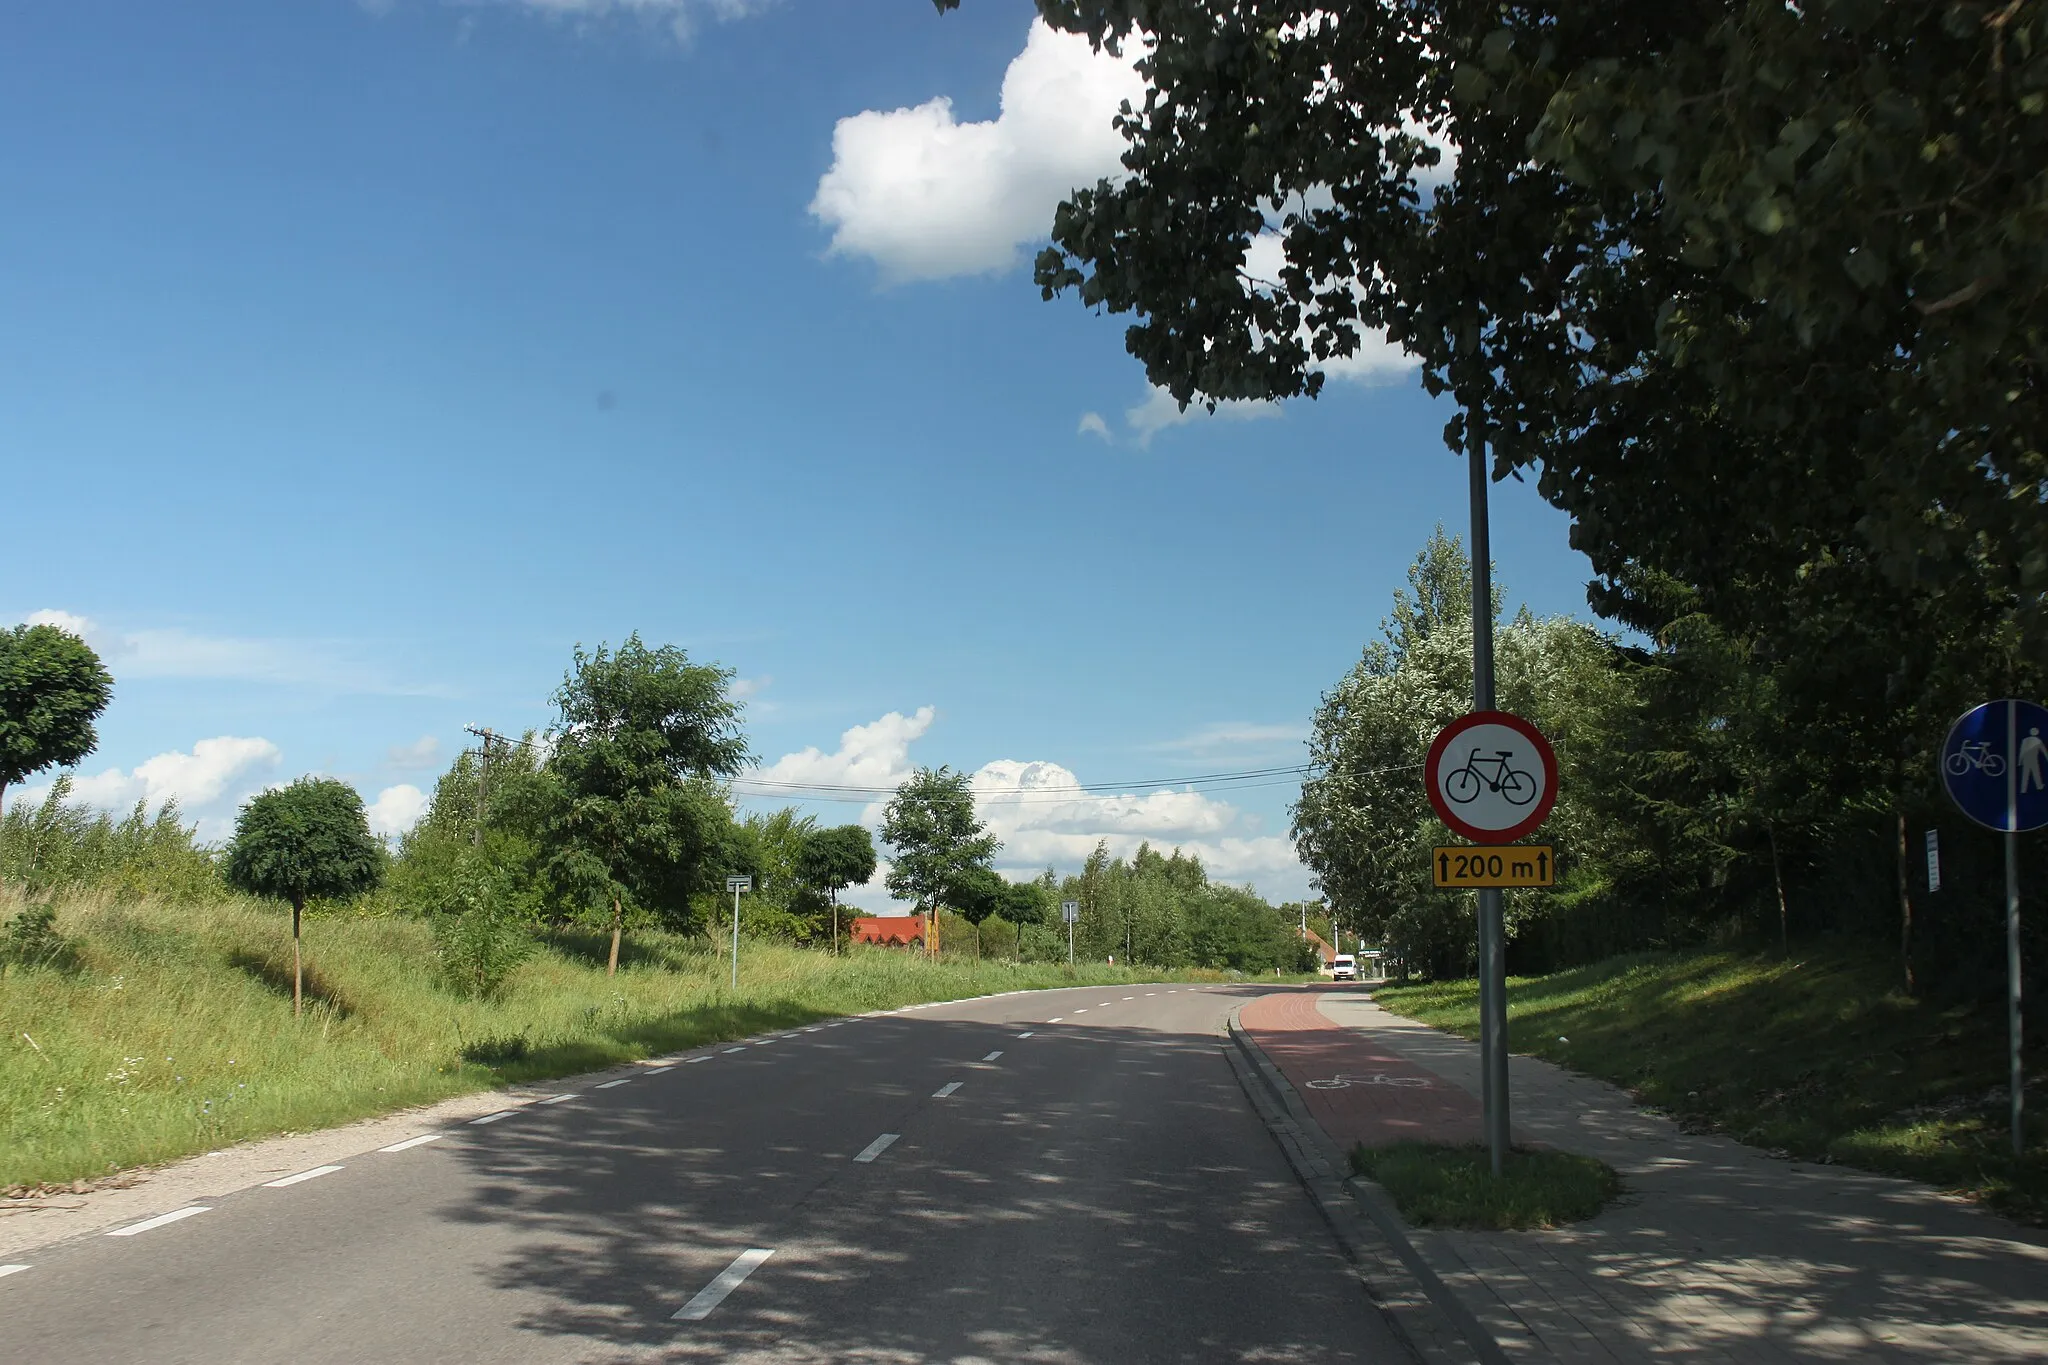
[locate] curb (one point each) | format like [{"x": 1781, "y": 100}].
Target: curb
[{"x": 1382, "y": 1260}]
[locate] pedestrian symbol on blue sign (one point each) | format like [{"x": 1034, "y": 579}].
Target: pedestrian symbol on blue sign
[{"x": 1995, "y": 765}]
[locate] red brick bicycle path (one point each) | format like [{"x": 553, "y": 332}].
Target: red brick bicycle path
[{"x": 1356, "y": 1090}]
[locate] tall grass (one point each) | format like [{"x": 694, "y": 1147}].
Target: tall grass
[
  {"x": 1819, "y": 1056},
  {"x": 165, "y": 1028}
]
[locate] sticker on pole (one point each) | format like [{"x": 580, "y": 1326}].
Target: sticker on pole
[
  {"x": 1995, "y": 765},
  {"x": 1491, "y": 776}
]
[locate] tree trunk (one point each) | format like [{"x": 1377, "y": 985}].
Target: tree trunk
[
  {"x": 1778, "y": 880},
  {"x": 1905, "y": 909},
  {"x": 298, "y": 971},
  {"x": 611, "y": 968}
]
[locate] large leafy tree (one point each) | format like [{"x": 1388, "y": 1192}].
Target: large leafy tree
[
  {"x": 834, "y": 859},
  {"x": 52, "y": 688},
  {"x": 1732, "y": 264},
  {"x": 305, "y": 840},
  {"x": 936, "y": 840},
  {"x": 627, "y": 810}
]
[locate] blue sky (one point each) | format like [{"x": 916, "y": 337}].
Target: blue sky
[{"x": 358, "y": 360}]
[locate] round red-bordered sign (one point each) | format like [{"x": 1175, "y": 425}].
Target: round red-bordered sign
[{"x": 1497, "y": 785}]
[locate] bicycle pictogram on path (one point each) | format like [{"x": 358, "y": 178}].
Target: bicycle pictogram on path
[{"x": 1377, "y": 1078}]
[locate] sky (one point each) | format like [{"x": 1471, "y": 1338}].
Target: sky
[{"x": 360, "y": 360}]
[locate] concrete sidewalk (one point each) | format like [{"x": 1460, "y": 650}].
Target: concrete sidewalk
[{"x": 1717, "y": 1252}]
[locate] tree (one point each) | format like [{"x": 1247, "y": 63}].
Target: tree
[
  {"x": 308, "y": 839},
  {"x": 834, "y": 859},
  {"x": 935, "y": 839},
  {"x": 52, "y": 688},
  {"x": 627, "y": 809}
]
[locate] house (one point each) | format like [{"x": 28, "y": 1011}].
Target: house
[{"x": 898, "y": 931}]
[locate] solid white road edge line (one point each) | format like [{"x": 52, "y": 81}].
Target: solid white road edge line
[
  {"x": 948, "y": 1088},
  {"x": 877, "y": 1147},
  {"x": 313, "y": 1174},
  {"x": 160, "y": 1220},
  {"x": 729, "y": 1279},
  {"x": 993, "y": 1055},
  {"x": 613, "y": 1085},
  {"x": 412, "y": 1142}
]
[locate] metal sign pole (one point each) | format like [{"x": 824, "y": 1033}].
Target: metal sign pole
[
  {"x": 735, "y": 938},
  {"x": 2017, "y": 1077},
  {"x": 1493, "y": 1010}
]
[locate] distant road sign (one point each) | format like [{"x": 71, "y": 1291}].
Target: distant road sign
[
  {"x": 1491, "y": 776},
  {"x": 739, "y": 883},
  {"x": 1070, "y": 911},
  {"x": 1995, "y": 765},
  {"x": 1495, "y": 865}
]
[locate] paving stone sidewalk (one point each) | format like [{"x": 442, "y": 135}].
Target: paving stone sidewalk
[{"x": 1718, "y": 1252}]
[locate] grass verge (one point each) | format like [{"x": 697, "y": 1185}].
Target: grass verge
[
  {"x": 1439, "y": 1186},
  {"x": 165, "y": 1030},
  {"x": 1818, "y": 1057}
]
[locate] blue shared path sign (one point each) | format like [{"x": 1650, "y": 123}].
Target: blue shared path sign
[{"x": 1995, "y": 765}]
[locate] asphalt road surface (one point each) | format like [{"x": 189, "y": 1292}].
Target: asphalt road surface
[{"x": 1059, "y": 1176}]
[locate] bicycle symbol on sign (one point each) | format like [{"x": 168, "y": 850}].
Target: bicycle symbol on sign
[
  {"x": 1975, "y": 754},
  {"x": 1464, "y": 784},
  {"x": 1377, "y": 1078}
]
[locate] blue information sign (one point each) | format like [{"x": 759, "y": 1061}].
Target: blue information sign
[{"x": 1995, "y": 765}]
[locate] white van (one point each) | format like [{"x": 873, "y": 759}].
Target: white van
[{"x": 1343, "y": 967}]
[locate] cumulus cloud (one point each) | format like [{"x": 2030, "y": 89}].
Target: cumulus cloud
[
  {"x": 207, "y": 783},
  {"x": 1040, "y": 812},
  {"x": 1160, "y": 410},
  {"x": 746, "y": 688},
  {"x": 1093, "y": 425},
  {"x": 928, "y": 197},
  {"x": 396, "y": 810},
  {"x": 422, "y": 753},
  {"x": 172, "y": 652},
  {"x": 680, "y": 17}
]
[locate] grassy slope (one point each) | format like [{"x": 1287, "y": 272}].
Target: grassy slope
[
  {"x": 1821, "y": 1057},
  {"x": 172, "y": 1032}
]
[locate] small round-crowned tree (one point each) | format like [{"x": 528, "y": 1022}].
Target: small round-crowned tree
[{"x": 308, "y": 839}]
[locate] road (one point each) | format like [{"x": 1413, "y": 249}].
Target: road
[{"x": 1074, "y": 1176}]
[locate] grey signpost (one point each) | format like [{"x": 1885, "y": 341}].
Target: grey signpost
[
  {"x": 1070, "y": 911},
  {"x": 1999, "y": 778},
  {"x": 736, "y": 885}
]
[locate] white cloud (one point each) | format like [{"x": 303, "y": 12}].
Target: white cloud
[
  {"x": 744, "y": 688},
  {"x": 1160, "y": 410},
  {"x": 1228, "y": 735},
  {"x": 680, "y": 17},
  {"x": 927, "y": 197},
  {"x": 396, "y": 810},
  {"x": 171, "y": 652},
  {"x": 424, "y": 752},
  {"x": 1040, "y": 812},
  {"x": 1093, "y": 425},
  {"x": 207, "y": 783}
]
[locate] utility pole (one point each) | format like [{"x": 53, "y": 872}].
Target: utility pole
[
  {"x": 1493, "y": 984},
  {"x": 483, "y": 777}
]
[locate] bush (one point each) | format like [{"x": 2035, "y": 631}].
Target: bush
[
  {"x": 480, "y": 934},
  {"x": 31, "y": 938}
]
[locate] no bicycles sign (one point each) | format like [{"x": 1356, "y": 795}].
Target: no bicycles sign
[{"x": 1491, "y": 776}]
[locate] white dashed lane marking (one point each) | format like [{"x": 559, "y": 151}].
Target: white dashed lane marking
[
  {"x": 504, "y": 1114},
  {"x": 6, "y": 1270},
  {"x": 559, "y": 1099},
  {"x": 159, "y": 1221},
  {"x": 1056, "y": 1019},
  {"x": 731, "y": 1050},
  {"x": 1025, "y": 1034},
  {"x": 613, "y": 1085},
  {"x": 877, "y": 1147},
  {"x": 420, "y": 1141},
  {"x": 729, "y": 1279},
  {"x": 992, "y": 1056},
  {"x": 661, "y": 1071},
  {"x": 946, "y": 1089},
  {"x": 301, "y": 1177}
]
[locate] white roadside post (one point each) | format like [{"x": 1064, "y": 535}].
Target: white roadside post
[
  {"x": 1070, "y": 911},
  {"x": 736, "y": 885}
]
